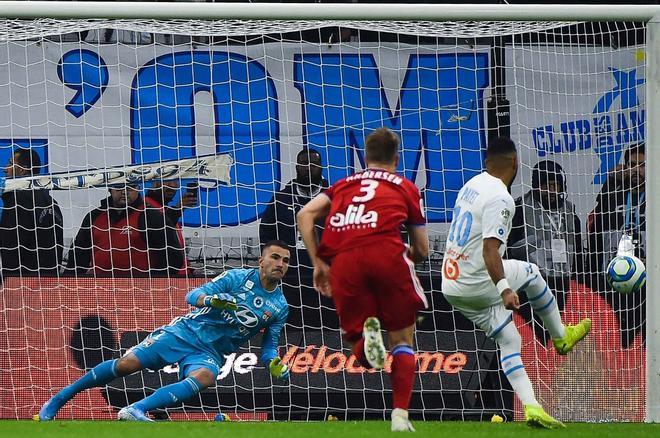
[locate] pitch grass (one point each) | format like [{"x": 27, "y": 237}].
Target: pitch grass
[{"x": 340, "y": 429}]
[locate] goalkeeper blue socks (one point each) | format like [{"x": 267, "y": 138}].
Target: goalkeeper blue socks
[
  {"x": 170, "y": 395},
  {"x": 98, "y": 376}
]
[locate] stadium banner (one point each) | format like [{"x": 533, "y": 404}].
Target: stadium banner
[
  {"x": 129, "y": 104},
  {"x": 578, "y": 106},
  {"x": 56, "y": 329}
]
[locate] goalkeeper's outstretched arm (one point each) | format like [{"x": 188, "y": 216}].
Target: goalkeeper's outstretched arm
[
  {"x": 269, "y": 356},
  {"x": 216, "y": 293}
]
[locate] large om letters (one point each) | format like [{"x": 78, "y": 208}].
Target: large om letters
[{"x": 439, "y": 116}]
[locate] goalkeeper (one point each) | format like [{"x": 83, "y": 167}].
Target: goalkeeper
[{"x": 231, "y": 309}]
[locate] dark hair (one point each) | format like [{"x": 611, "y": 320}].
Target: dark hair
[
  {"x": 546, "y": 171},
  {"x": 28, "y": 159},
  {"x": 638, "y": 148},
  {"x": 381, "y": 146},
  {"x": 307, "y": 152},
  {"x": 500, "y": 146},
  {"x": 282, "y": 244}
]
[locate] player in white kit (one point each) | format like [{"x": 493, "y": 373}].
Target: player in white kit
[{"x": 482, "y": 286}]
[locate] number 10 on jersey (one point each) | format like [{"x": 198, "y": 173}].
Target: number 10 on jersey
[{"x": 461, "y": 225}]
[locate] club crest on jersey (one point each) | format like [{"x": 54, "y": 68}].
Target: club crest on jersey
[
  {"x": 266, "y": 315},
  {"x": 249, "y": 284},
  {"x": 258, "y": 302},
  {"x": 505, "y": 214},
  {"x": 354, "y": 216}
]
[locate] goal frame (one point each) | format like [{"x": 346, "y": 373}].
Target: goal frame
[{"x": 650, "y": 14}]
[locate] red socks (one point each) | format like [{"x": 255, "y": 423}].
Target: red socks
[{"x": 403, "y": 375}]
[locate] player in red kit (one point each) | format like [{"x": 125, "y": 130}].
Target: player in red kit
[{"x": 365, "y": 267}]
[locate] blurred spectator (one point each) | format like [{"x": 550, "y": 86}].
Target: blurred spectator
[
  {"x": 31, "y": 233},
  {"x": 279, "y": 220},
  {"x": 279, "y": 223},
  {"x": 161, "y": 195},
  {"x": 621, "y": 209},
  {"x": 546, "y": 231},
  {"x": 123, "y": 238}
]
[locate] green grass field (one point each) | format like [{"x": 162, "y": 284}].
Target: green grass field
[{"x": 341, "y": 429}]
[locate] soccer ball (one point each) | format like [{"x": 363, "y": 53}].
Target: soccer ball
[{"x": 626, "y": 274}]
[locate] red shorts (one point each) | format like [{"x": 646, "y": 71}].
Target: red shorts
[{"x": 376, "y": 280}]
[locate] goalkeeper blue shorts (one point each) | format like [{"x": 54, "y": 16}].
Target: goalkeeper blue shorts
[{"x": 162, "y": 348}]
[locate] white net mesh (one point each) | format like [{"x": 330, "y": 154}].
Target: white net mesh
[
  {"x": 93, "y": 94},
  {"x": 23, "y": 29}
]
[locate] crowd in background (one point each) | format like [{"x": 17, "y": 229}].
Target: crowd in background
[{"x": 137, "y": 232}]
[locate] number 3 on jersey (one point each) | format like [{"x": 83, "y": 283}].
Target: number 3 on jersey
[
  {"x": 368, "y": 187},
  {"x": 461, "y": 225}
]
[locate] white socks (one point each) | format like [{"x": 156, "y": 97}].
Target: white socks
[
  {"x": 545, "y": 305},
  {"x": 509, "y": 342}
]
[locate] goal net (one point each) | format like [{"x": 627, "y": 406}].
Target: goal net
[{"x": 101, "y": 94}]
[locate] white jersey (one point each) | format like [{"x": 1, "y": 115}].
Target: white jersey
[{"x": 484, "y": 208}]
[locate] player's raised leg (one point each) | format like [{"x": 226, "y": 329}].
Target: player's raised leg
[
  {"x": 372, "y": 344},
  {"x": 100, "y": 375},
  {"x": 544, "y": 303}
]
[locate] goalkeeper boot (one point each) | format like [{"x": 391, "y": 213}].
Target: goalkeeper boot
[
  {"x": 374, "y": 348},
  {"x": 131, "y": 413},
  {"x": 400, "y": 421},
  {"x": 222, "y": 417},
  {"x": 51, "y": 407},
  {"x": 535, "y": 416},
  {"x": 573, "y": 335}
]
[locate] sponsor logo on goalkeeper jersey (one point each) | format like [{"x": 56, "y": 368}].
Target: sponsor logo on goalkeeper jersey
[
  {"x": 246, "y": 317},
  {"x": 355, "y": 217}
]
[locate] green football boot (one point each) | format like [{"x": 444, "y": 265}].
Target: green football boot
[
  {"x": 573, "y": 335},
  {"x": 535, "y": 416}
]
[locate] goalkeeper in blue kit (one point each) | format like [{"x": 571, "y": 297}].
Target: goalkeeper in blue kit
[{"x": 231, "y": 309}]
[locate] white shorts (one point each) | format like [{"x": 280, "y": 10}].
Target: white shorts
[{"x": 486, "y": 309}]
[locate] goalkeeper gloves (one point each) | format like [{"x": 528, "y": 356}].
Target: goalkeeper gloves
[
  {"x": 220, "y": 302},
  {"x": 278, "y": 369}
]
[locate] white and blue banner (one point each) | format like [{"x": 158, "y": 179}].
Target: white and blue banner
[
  {"x": 579, "y": 106},
  {"x": 97, "y": 106},
  {"x": 91, "y": 106}
]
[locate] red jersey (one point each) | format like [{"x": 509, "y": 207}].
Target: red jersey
[
  {"x": 120, "y": 247},
  {"x": 368, "y": 208}
]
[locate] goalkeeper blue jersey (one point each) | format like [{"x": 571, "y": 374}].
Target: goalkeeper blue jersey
[{"x": 222, "y": 332}]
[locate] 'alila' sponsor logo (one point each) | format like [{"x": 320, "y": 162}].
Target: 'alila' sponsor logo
[{"x": 354, "y": 215}]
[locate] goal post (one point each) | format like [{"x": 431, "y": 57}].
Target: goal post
[
  {"x": 653, "y": 187},
  {"x": 131, "y": 85}
]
